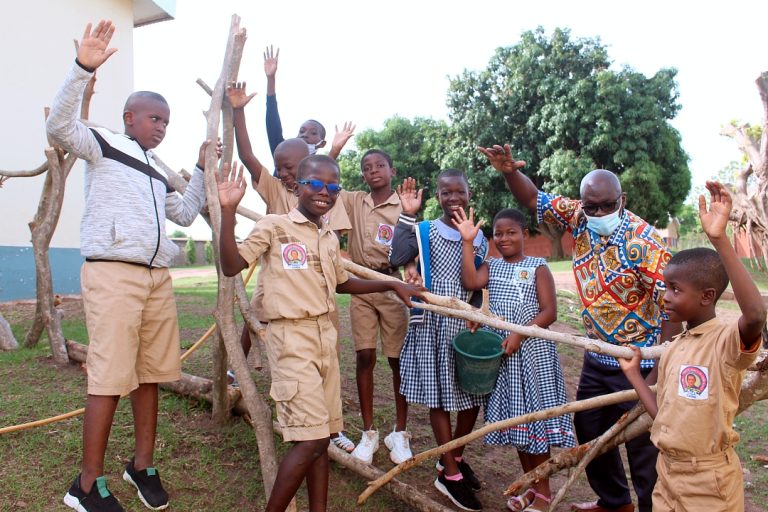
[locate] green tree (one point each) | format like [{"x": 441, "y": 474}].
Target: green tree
[
  {"x": 190, "y": 251},
  {"x": 177, "y": 233},
  {"x": 557, "y": 103},
  {"x": 208, "y": 249},
  {"x": 416, "y": 148}
]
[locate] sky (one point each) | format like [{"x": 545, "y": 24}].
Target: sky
[{"x": 364, "y": 62}]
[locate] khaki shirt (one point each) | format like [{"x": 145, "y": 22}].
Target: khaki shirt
[
  {"x": 301, "y": 265},
  {"x": 372, "y": 228},
  {"x": 279, "y": 201},
  {"x": 700, "y": 377}
]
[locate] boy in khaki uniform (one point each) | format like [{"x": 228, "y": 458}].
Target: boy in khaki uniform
[
  {"x": 700, "y": 373},
  {"x": 303, "y": 272},
  {"x": 373, "y": 216}
]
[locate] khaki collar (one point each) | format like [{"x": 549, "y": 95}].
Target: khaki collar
[
  {"x": 706, "y": 327},
  {"x": 393, "y": 199},
  {"x": 296, "y": 216}
]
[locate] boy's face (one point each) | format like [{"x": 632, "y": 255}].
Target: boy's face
[
  {"x": 310, "y": 132},
  {"x": 287, "y": 161},
  {"x": 683, "y": 300},
  {"x": 146, "y": 121},
  {"x": 509, "y": 237},
  {"x": 315, "y": 202},
  {"x": 452, "y": 194},
  {"x": 377, "y": 173}
]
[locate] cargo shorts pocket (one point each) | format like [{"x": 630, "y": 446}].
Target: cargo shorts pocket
[{"x": 283, "y": 392}]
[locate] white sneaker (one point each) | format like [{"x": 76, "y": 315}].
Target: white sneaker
[
  {"x": 367, "y": 446},
  {"x": 399, "y": 446}
]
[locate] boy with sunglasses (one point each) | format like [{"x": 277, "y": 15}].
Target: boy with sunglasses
[
  {"x": 618, "y": 261},
  {"x": 302, "y": 273}
]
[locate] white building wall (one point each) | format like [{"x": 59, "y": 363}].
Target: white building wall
[{"x": 38, "y": 50}]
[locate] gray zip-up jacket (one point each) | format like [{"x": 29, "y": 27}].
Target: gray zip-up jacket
[{"x": 127, "y": 195}]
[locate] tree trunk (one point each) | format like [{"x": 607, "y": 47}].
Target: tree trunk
[
  {"x": 555, "y": 237},
  {"x": 7, "y": 339}
]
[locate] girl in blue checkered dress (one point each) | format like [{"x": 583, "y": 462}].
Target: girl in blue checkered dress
[
  {"x": 427, "y": 369},
  {"x": 522, "y": 291}
]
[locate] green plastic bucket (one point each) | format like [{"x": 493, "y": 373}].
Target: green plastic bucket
[{"x": 478, "y": 357}]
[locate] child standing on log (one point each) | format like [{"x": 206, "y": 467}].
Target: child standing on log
[
  {"x": 522, "y": 291},
  {"x": 302, "y": 273},
  {"x": 700, "y": 372},
  {"x": 427, "y": 367}
]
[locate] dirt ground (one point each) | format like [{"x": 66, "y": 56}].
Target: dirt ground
[{"x": 497, "y": 467}]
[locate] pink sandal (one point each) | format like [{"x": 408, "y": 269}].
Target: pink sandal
[{"x": 524, "y": 501}]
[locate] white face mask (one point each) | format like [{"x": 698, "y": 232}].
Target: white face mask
[
  {"x": 606, "y": 224},
  {"x": 313, "y": 147}
]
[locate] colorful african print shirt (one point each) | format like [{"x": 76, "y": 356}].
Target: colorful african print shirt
[{"x": 619, "y": 277}]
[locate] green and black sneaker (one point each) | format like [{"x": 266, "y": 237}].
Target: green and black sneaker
[{"x": 99, "y": 499}]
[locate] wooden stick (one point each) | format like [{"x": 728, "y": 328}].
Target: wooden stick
[{"x": 552, "y": 412}]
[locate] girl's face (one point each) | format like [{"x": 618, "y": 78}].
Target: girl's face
[
  {"x": 452, "y": 194},
  {"x": 509, "y": 237}
]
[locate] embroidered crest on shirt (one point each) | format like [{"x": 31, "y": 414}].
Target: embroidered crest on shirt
[
  {"x": 384, "y": 234},
  {"x": 693, "y": 382},
  {"x": 524, "y": 274},
  {"x": 294, "y": 256}
]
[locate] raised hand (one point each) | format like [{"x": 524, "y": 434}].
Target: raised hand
[
  {"x": 93, "y": 49},
  {"x": 501, "y": 159},
  {"x": 715, "y": 220},
  {"x": 629, "y": 366},
  {"x": 466, "y": 225},
  {"x": 410, "y": 196},
  {"x": 341, "y": 137},
  {"x": 231, "y": 185},
  {"x": 411, "y": 275},
  {"x": 405, "y": 291},
  {"x": 237, "y": 96},
  {"x": 203, "y": 147},
  {"x": 270, "y": 60}
]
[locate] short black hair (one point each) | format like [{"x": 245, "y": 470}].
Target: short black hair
[
  {"x": 703, "y": 268},
  {"x": 514, "y": 215},
  {"x": 319, "y": 125},
  {"x": 313, "y": 160},
  {"x": 376, "y": 152},
  {"x": 140, "y": 95},
  {"x": 453, "y": 173}
]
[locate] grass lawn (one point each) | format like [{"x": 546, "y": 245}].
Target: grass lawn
[{"x": 215, "y": 468}]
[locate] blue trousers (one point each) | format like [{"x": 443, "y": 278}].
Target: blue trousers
[{"x": 606, "y": 473}]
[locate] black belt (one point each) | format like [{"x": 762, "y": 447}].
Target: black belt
[{"x": 96, "y": 260}]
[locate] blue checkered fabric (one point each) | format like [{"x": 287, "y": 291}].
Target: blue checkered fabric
[
  {"x": 427, "y": 367},
  {"x": 531, "y": 379}
]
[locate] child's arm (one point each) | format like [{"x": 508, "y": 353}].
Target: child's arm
[
  {"x": 274, "y": 126},
  {"x": 714, "y": 222},
  {"x": 631, "y": 369},
  {"x": 63, "y": 124},
  {"x": 359, "y": 286},
  {"x": 404, "y": 247},
  {"x": 239, "y": 99},
  {"x": 472, "y": 278},
  {"x": 518, "y": 183},
  {"x": 340, "y": 139},
  {"x": 231, "y": 190}
]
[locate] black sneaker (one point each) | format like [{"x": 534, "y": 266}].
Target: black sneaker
[
  {"x": 147, "y": 483},
  {"x": 458, "y": 492},
  {"x": 99, "y": 499},
  {"x": 472, "y": 481}
]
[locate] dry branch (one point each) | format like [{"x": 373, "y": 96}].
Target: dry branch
[
  {"x": 581, "y": 405},
  {"x": 25, "y": 174}
]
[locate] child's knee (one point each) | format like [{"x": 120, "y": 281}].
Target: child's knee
[{"x": 366, "y": 358}]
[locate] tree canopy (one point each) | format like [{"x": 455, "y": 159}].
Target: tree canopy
[{"x": 557, "y": 103}]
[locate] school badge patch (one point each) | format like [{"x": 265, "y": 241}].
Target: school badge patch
[
  {"x": 524, "y": 274},
  {"x": 294, "y": 256},
  {"x": 384, "y": 234},
  {"x": 693, "y": 382}
]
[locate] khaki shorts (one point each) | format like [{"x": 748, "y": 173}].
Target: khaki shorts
[
  {"x": 712, "y": 484},
  {"x": 130, "y": 314},
  {"x": 375, "y": 313},
  {"x": 305, "y": 377}
]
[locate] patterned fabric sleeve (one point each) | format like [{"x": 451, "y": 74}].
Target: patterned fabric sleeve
[
  {"x": 558, "y": 211},
  {"x": 652, "y": 271}
]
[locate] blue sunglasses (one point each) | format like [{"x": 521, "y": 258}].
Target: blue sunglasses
[{"x": 317, "y": 186}]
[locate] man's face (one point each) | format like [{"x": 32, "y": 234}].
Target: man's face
[{"x": 597, "y": 200}]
